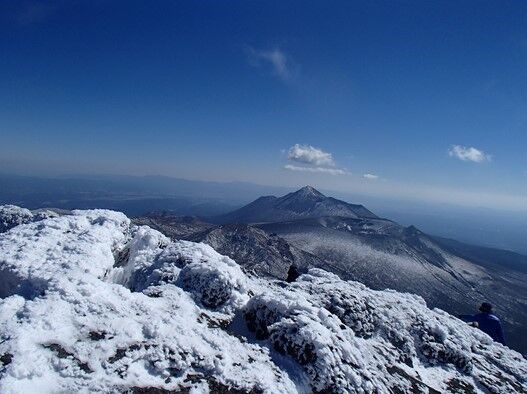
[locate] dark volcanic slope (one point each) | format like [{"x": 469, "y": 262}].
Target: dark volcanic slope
[
  {"x": 251, "y": 247},
  {"x": 256, "y": 250},
  {"x": 175, "y": 227},
  {"x": 487, "y": 257},
  {"x": 304, "y": 203}
]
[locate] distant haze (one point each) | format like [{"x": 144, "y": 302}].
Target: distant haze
[{"x": 138, "y": 195}]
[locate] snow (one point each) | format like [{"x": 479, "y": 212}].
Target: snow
[
  {"x": 11, "y": 216},
  {"x": 92, "y": 303}
]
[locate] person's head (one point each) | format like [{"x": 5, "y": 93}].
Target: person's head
[{"x": 485, "y": 307}]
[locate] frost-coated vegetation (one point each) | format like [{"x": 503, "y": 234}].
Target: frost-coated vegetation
[{"x": 92, "y": 303}]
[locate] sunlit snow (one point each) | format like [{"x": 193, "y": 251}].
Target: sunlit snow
[{"x": 92, "y": 303}]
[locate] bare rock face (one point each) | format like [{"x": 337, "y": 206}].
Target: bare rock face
[{"x": 122, "y": 308}]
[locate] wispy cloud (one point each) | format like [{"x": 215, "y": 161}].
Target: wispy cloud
[
  {"x": 313, "y": 160},
  {"x": 330, "y": 171},
  {"x": 279, "y": 62},
  {"x": 468, "y": 154},
  {"x": 308, "y": 154},
  {"x": 371, "y": 176}
]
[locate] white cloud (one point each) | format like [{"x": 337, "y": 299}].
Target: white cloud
[
  {"x": 310, "y": 155},
  {"x": 277, "y": 59},
  {"x": 468, "y": 154},
  {"x": 313, "y": 160},
  {"x": 371, "y": 176},
  {"x": 330, "y": 171}
]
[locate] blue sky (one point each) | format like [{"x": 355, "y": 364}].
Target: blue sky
[{"x": 411, "y": 99}]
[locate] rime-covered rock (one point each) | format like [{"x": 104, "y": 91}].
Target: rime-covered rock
[{"x": 11, "y": 216}]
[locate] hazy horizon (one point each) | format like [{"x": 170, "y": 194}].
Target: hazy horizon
[{"x": 492, "y": 227}]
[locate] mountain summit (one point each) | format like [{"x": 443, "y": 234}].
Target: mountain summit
[
  {"x": 305, "y": 203},
  {"x": 309, "y": 191}
]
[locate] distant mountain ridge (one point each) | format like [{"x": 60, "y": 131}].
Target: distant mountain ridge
[
  {"x": 302, "y": 204},
  {"x": 133, "y": 195}
]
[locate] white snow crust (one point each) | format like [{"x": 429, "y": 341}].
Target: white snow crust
[
  {"x": 91, "y": 303},
  {"x": 11, "y": 216}
]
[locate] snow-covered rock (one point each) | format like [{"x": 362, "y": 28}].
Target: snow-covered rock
[
  {"x": 11, "y": 216},
  {"x": 92, "y": 303}
]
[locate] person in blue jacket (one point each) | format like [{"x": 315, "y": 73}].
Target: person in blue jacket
[
  {"x": 487, "y": 322},
  {"x": 292, "y": 274}
]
